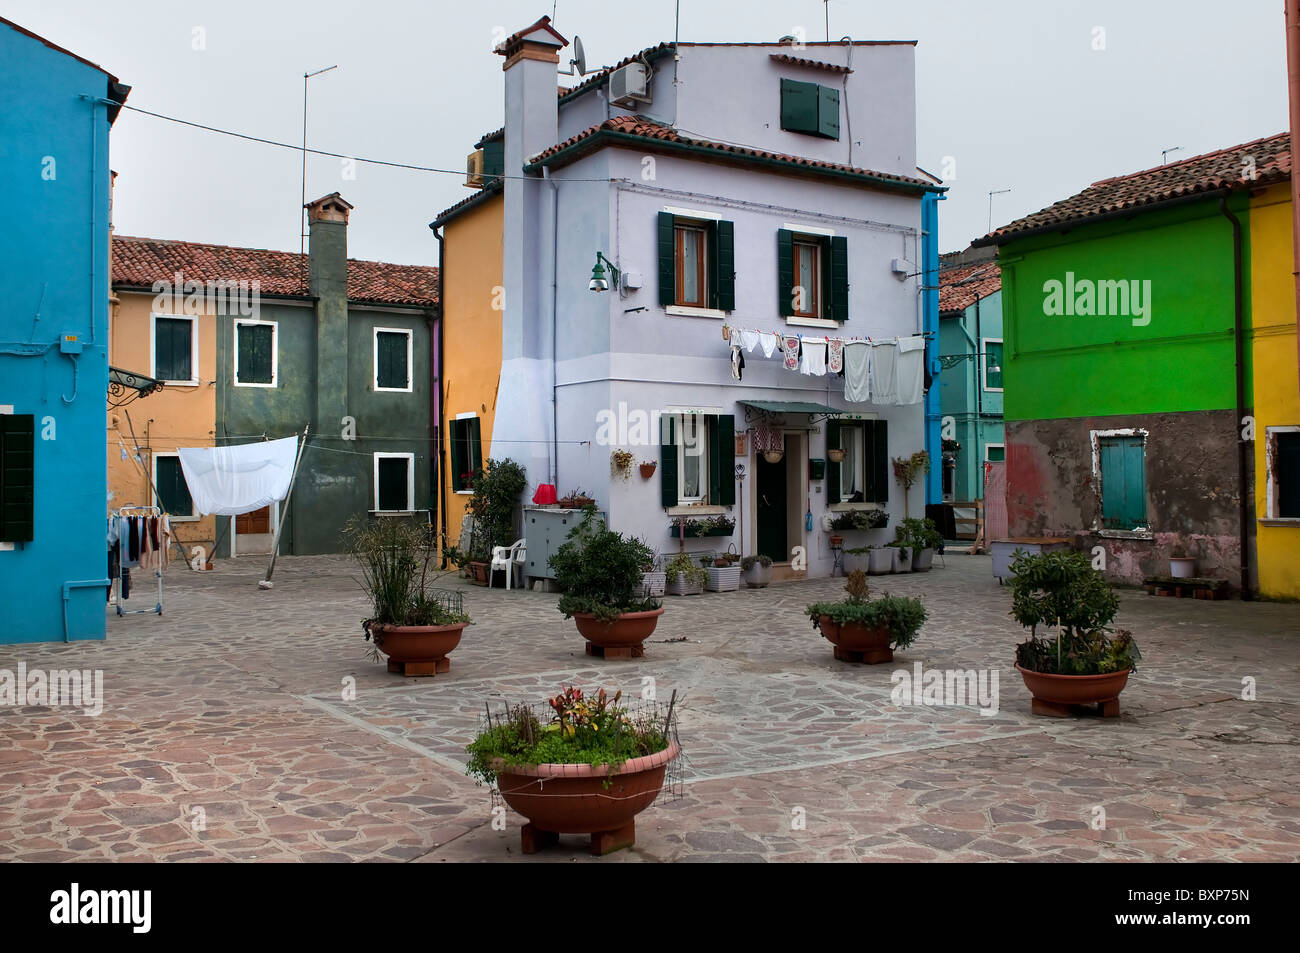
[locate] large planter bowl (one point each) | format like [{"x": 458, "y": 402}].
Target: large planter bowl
[
  {"x": 880, "y": 561},
  {"x": 1182, "y": 567},
  {"x": 855, "y": 642},
  {"x": 757, "y": 576},
  {"x": 417, "y": 649},
  {"x": 619, "y": 638},
  {"x": 1058, "y": 696},
  {"x": 573, "y": 799},
  {"x": 922, "y": 559}
]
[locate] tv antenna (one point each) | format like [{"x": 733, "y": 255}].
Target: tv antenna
[
  {"x": 991, "y": 194},
  {"x": 1164, "y": 153}
]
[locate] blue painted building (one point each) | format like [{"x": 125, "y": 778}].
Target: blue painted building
[{"x": 54, "y": 282}]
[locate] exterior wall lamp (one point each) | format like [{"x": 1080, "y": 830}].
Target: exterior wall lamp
[{"x": 598, "y": 281}]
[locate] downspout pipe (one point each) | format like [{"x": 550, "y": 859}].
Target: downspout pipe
[
  {"x": 555, "y": 265},
  {"x": 1293, "y": 90},
  {"x": 437, "y": 390},
  {"x": 1239, "y": 309}
]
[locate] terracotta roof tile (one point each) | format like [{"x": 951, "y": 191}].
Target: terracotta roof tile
[
  {"x": 1270, "y": 158},
  {"x": 652, "y": 132},
  {"x": 453, "y": 210},
  {"x": 139, "y": 262},
  {"x": 961, "y": 287},
  {"x": 509, "y": 44},
  {"x": 789, "y": 60}
]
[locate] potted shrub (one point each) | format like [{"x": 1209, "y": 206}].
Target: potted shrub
[
  {"x": 415, "y": 625},
  {"x": 757, "y": 571},
  {"x": 600, "y": 572},
  {"x": 1084, "y": 664},
  {"x": 923, "y": 537},
  {"x": 880, "y": 560},
  {"x": 907, "y": 470},
  {"x": 685, "y": 576},
  {"x": 588, "y": 768},
  {"x": 864, "y": 629},
  {"x": 497, "y": 490}
]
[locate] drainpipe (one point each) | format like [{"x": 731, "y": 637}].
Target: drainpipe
[
  {"x": 1243, "y": 487},
  {"x": 978, "y": 378},
  {"x": 437, "y": 398},
  {"x": 555, "y": 264}
]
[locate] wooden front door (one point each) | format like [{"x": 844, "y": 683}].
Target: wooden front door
[{"x": 258, "y": 521}]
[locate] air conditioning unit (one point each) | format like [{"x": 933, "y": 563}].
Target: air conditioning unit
[
  {"x": 474, "y": 169},
  {"x": 629, "y": 85}
]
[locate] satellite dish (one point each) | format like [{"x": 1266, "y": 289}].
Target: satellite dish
[{"x": 579, "y": 57}]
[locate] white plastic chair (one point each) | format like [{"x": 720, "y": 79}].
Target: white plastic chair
[{"x": 507, "y": 558}]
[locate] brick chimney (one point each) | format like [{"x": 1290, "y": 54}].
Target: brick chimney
[{"x": 327, "y": 264}]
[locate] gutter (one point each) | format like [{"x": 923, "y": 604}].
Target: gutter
[
  {"x": 555, "y": 264},
  {"x": 613, "y": 137},
  {"x": 1243, "y": 487},
  {"x": 436, "y": 395}
]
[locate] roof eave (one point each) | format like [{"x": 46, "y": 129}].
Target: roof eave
[{"x": 615, "y": 137}]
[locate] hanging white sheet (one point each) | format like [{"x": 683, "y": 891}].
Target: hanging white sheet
[
  {"x": 909, "y": 370},
  {"x": 228, "y": 481}
]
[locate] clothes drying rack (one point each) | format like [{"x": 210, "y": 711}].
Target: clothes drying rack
[{"x": 145, "y": 511}]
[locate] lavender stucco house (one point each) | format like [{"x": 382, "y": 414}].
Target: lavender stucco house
[{"x": 720, "y": 188}]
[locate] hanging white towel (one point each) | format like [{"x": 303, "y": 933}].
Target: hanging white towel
[
  {"x": 857, "y": 359},
  {"x": 229, "y": 481},
  {"x": 814, "y": 357},
  {"x": 884, "y": 383},
  {"x": 769, "y": 340},
  {"x": 909, "y": 370},
  {"x": 748, "y": 340}
]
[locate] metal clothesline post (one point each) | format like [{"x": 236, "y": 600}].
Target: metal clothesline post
[{"x": 279, "y": 527}]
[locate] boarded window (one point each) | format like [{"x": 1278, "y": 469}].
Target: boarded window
[
  {"x": 1123, "y": 482},
  {"x": 392, "y": 367},
  {"x": 466, "y": 453},
  {"x": 173, "y": 491},
  {"x": 394, "y": 482},
  {"x": 255, "y": 353},
  {"x": 17, "y": 477},
  {"x": 173, "y": 349}
]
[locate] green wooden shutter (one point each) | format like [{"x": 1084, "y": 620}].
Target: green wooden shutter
[
  {"x": 838, "y": 274},
  {"x": 832, "y": 468},
  {"x": 667, "y": 260},
  {"x": 393, "y": 370},
  {"x": 173, "y": 491},
  {"x": 1135, "y": 491},
  {"x": 457, "y": 442},
  {"x": 667, "y": 463},
  {"x": 877, "y": 465},
  {"x": 722, "y": 460},
  {"x": 494, "y": 159},
  {"x": 1114, "y": 506},
  {"x": 172, "y": 349},
  {"x": 17, "y": 477},
  {"x": 162, "y": 349},
  {"x": 828, "y": 112},
  {"x": 722, "y": 276},
  {"x": 799, "y": 103},
  {"x": 785, "y": 271},
  {"x": 256, "y": 346},
  {"x": 475, "y": 444}
]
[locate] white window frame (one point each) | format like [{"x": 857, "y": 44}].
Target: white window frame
[
  {"x": 275, "y": 352},
  {"x": 153, "y": 491},
  {"x": 679, "y": 433},
  {"x": 984, "y": 364},
  {"x": 988, "y": 446},
  {"x": 467, "y": 415},
  {"x": 410, "y": 480},
  {"x": 194, "y": 347},
  {"x": 859, "y": 429},
  {"x": 410, "y": 364},
  {"x": 1271, "y": 487}
]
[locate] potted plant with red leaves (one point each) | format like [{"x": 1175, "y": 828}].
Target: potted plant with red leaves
[
  {"x": 587, "y": 765},
  {"x": 601, "y": 572},
  {"x": 1085, "y": 664}
]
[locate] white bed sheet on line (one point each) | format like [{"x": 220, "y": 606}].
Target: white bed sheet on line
[{"x": 228, "y": 481}]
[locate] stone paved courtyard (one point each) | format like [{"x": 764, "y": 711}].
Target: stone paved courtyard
[{"x": 230, "y": 710}]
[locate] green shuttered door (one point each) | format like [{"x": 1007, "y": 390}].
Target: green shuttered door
[{"x": 1123, "y": 483}]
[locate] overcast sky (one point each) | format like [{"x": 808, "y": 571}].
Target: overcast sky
[{"x": 1038, "y": 97}]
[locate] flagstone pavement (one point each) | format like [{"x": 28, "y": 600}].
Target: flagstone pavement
[{"x": 228, "y": 733}]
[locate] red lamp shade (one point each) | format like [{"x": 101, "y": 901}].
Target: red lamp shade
[{"x": 545, "y": 494}]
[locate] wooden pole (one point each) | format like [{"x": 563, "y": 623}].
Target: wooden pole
[{"x": 279, "y": 527}]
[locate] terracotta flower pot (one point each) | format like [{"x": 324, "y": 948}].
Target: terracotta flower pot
[
  {"x": 479, "y": 573},
  {"x": 836, "y": 456},
  {"x": 647, "y": 470},
  {"x": 620, "y": 638},
  {"x": 1057, "y": 695},
  {"x": 573, "y": 799},
  {"x": 417, "y": 649},
  {"x": 855, "y": 642}
]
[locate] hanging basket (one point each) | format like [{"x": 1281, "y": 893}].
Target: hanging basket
[
  {"x": 836, "y": 455},
  {"x": 647, "y": 470},
  {"x": 773, "y": 456}
]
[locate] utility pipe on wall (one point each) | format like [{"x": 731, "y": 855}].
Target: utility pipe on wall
[
  {"x": 1243, "y": 483},
  {"x": 1293, "y": 93}
]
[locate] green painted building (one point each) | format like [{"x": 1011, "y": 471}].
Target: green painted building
[
  {"x": 1126, "y": 366},
  {"x": 970, "y": 384}
]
